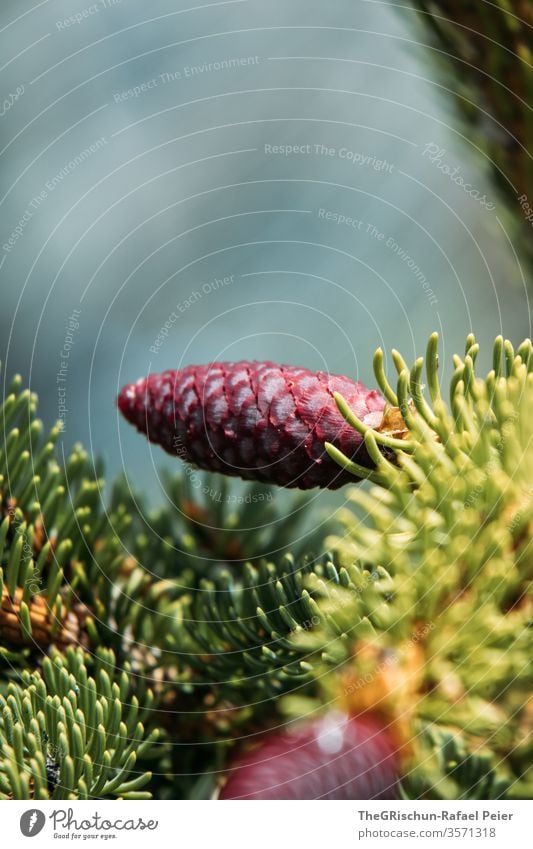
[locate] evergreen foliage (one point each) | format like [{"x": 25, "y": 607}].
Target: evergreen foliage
[
  {"x": 140, "y": 634},
  {"x": 434, "y": 631},
  {"x": 67, "y": 734}
]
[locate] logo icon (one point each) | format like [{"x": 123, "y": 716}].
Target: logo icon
[{"x": 32, "y": 822}]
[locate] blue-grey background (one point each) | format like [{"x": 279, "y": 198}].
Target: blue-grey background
[{"x": 159, "y": 191}]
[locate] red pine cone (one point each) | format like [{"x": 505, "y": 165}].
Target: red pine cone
[
  {"x": 335, "y": 757},
  {"x": 257, "y": 421}
]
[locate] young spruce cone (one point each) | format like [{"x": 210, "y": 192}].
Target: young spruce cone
[
  {"x": 254, "y": 420},
  {"x": 335, "y": 757}
]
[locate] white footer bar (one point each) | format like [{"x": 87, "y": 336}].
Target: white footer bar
[{"x": 264, "y": 825}]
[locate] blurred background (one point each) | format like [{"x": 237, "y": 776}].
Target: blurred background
[{"x": 186, "y": 182}]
